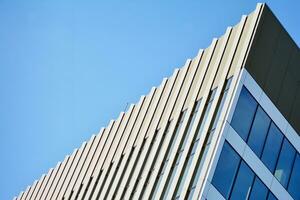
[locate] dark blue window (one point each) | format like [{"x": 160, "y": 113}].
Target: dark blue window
[
  {"x": 259, "y": 131},
  {"x": 243, "y": 183},
  {"x": 271, "y": 196},
  {"x": 259, "y": 190},
  {"x": 244, "y": 113},
  {"x": 285, "y": 163},
  {"x": 294, "y": 185},
  {"x": 272, "y": 147},
  {"x": 226, "y": 170}
]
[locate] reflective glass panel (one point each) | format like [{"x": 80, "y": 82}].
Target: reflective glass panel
[
  {"x": 272, "y": 147},
  {"x": 294, "y": 184},
  {"x": 226, "y": 170},
  {"x": 271, "y": 196},
  {"x": 244, "y": 113},
  {"x": 243, "y": 183},
  {"x": 285, "y": 163},
  {"x": 259, "y": 131},
  {"x": 259, "y": 190}
]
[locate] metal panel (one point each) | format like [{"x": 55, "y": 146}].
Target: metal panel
[
  {"x": 71, "y": 171},
  {"x": 38, "y": 186},
  {"x": 130, "y": 143},
  {"x": 57, "y": 178},
  {"x": 136, "y": 144},
  {"x": 108, "y": 158},
  {"x": 62, "y": 179},
  {"x": 105, "y": 139},
  {"x": 119, "y": 151},
  {"x": 174, "y": 99},
  {"x": 50, "y": 181},
  {"x": 78, "y": 168},
  {"x": 38, "y": 196},
  {"x": 131, "y": 168}
]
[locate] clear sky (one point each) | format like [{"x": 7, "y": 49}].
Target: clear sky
[{"x": 68, "y": 67}]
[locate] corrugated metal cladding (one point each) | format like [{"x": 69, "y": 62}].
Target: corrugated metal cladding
[{"x": 136, "y": 155}]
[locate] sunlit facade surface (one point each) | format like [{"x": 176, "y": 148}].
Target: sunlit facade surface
[{"x": 224, "y": 126}]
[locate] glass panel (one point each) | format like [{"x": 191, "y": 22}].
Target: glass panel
[
  {"x": 259, "y": 190},
  {"x": 285, "y": 163},
  {"x": 295, "y": 179},
  {"x": 242, "y": 186},
  {"x": 271, "y": 196},
  {"x": 226, "y": 170},
  {"x": 272, "y": 147},
  {"x": 244, "y": 113},
  {"x": 259, "y": 131}
]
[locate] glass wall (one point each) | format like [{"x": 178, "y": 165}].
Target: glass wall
[
  {"x": 266, "y": 140},
  {"x": 272, "y": 147},
  {"x": 235, "y": 180},
  {"x": 293, "y": 187},
  {"x": 244, "y": 113},
  {"x": 225, "y": 171},
  {"x": 285, "y": 163},
  {"x": 259, "y": 190},
  {"x": 243, "y": 183},
  {"x": 259, "y": 131}
]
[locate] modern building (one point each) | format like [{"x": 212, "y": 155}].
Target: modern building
[{"x": 224, "y": 126}]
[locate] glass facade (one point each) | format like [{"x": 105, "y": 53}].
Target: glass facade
[
  {"x": 267, "y": 142},
  {"x": 259, "y": 131},
  {"x": 293, "y": 187},
  {"x": 243, "y": 183},
  {"x": 235, "y": 180},
  {"x": 245, "y": 110},
  {"x": 272, "y": 147},
  {"x": 259, "y": 190},
  {"x": 225, "y": 171},
  {"x": 285, "y": 163}
]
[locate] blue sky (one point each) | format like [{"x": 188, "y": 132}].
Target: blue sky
[{"x": 68, "y": 67}]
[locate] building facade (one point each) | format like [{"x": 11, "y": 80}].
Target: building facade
[{"x": 224, "y": 126}]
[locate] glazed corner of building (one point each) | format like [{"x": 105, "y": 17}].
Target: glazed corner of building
[{"x": 273, "y": 61}]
